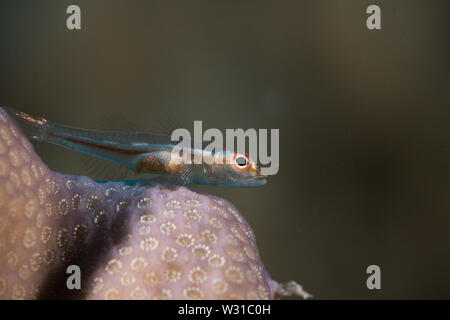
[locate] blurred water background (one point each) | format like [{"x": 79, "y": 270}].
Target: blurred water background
[{"x": 363, "y": 117}]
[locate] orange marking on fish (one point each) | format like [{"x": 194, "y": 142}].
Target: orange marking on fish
[{"x": 151, "y": 164}]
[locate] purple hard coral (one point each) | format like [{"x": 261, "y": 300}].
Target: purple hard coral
[{"x": 130, "y": 242}]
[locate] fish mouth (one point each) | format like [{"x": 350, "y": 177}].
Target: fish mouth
[
  {"x": 259, "y": 180},
  {"x": 261, "y": 177}
]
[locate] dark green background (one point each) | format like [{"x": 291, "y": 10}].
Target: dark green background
[{"x": 363, "y": 117}]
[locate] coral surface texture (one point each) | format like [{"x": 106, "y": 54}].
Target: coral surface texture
[{"x": 129, "y": 242}]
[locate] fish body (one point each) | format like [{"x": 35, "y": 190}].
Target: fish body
[{"x": 145, "y": 152}]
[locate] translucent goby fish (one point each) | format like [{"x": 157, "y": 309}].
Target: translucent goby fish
[{"x": 144, "y": 152}]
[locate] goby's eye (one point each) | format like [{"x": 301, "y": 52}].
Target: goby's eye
[{"x": 240, "y": 162}]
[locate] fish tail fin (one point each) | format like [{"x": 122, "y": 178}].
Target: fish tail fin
[{"x": 36, "y": 128}]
